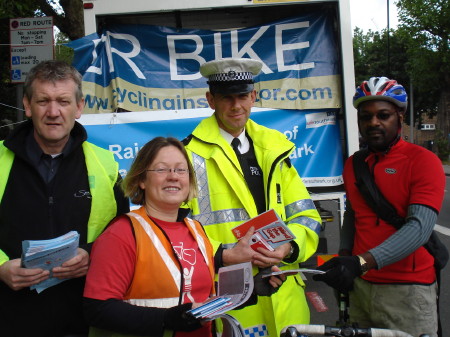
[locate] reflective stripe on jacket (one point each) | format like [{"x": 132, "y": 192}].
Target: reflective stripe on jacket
[{"x": 102, "y": 174}]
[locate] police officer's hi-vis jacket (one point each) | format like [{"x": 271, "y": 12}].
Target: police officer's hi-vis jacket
[{"x": 225, "y": 201}]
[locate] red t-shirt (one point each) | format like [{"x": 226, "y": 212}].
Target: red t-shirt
[{"x": 113, "y": 260}]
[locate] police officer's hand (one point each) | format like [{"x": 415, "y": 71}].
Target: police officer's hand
[
  {"x": 340, "y": 272},
  {"x": 241, "y": 252},
  {"x": 16, "y": 277},
  {"x": 268, "y": 258},
  {"x": 75, "y": 267}
]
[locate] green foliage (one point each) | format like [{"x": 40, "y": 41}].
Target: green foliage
[
  {"x": 67, "y": 15},
  {"x": 9, "y": 10},
  {"x": 416, "y": 53},
  {"x": 62, "y": 52},
  {"x": 427, "y": 23},
  {"x": 380, "y": 54},
  {"x": 443, "y": 146},
  {"x": 13, "y": 9}
]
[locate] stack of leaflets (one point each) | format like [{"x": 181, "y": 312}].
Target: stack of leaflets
[
  {"x": 234, "y": 287},
  {"x": 48, "y": 254},
  {"x": 270, "y": 231}
]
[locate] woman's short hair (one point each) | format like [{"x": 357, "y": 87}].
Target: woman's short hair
[{"x": 145, "y": 157}]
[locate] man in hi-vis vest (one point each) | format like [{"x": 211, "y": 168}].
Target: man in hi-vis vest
[
  {"x": 243, "y": 169},
  {"x": 52, "y": 181}
]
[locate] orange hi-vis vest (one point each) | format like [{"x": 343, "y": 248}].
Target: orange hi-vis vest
[{"x": 157, "y": 278}]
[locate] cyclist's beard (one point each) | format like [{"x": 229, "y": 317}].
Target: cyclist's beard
[{"x": 376, "y": 139}]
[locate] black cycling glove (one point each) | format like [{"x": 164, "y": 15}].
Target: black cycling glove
[{"x": 340, "y": 272}]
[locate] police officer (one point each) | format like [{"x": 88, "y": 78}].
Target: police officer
[{"x": 243, "y": 169}]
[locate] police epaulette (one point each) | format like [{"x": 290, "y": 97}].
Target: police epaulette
[{"x": 186, "y": 140}]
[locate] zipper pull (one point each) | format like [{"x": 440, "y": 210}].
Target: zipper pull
[{"x": 278, "y": 194}]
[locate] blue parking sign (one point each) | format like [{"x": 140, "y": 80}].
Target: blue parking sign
[
  {"x": 16, "y": 74},
  {"x": 15, "y": 60}
]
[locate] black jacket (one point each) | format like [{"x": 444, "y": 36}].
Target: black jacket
[{"x": 32, "y": 209}]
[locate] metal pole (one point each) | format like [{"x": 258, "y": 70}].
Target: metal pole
[
  {"x": 388, "y": 43},
  {"x": 411, "y": 113},
  {"x": 19, "y": 104}
]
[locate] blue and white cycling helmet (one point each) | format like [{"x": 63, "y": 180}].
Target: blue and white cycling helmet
[{"x": 381, "y": 88}]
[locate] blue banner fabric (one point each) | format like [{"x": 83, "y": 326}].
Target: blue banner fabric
[
  {"x": 143, "y": 67},
  {"x": 317, "y": 157}
]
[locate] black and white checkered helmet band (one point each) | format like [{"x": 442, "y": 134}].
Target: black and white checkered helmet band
[{"x": 231, "y": 76}]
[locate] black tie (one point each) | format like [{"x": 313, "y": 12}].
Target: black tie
[{"x": 235, "y": 144}]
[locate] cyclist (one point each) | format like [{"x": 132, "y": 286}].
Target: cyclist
[{"x": 390, "y": 277}]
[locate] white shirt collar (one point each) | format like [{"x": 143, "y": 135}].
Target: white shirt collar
[{"x": 245, "y": 144}]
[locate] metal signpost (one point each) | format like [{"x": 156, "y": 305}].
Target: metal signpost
[{"x": 31, "y": 43}]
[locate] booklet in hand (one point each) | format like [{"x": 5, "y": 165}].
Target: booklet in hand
[
  {"x": 270, "y": 231},
  {"x": 48, "y": 254},
  {"x": 290, "y": 272},
  {"x": 234, "y": 287}
]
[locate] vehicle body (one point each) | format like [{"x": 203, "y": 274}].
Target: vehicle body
[{"x": 230, "y": 15}]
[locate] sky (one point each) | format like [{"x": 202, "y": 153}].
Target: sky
[{"x": 372, "y": 14}]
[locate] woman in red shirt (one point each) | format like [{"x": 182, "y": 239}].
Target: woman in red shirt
[{"x": 153, "y": 264}]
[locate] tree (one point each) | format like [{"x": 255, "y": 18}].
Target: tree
[
  {"x": 67, "y": 15},
  {"x": 427, "y": 22},
  {"x": 371, "y": 59},
  {"x": 9, "y": 9}
]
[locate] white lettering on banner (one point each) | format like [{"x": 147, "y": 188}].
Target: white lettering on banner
[
  {"x": 218, "y": 45},
  {"x": 247, "y": 49},
  {"x": 94, "y": 69},
  {"x": 318, "y": 119},
  {"x": 291, "y": 135},
  {"x": 110, "y": 50},
  {"x": 280, "y": 47},
  {"x": 306, "y": 149},
  {"x": 174, "y": 56},
  {"x": 126, "y": 152}
]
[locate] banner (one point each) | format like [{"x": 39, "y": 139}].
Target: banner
[
  {"x": 317, "y": 157},
  {"x": 143, "y": 67}
]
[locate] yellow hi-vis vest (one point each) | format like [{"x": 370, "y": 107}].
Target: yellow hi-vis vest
[
  {"x": 102, "y": 174},
  {"x": 162, "y": 287}
]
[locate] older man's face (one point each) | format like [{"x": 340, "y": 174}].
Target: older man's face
[{"x": 53, "y": 108}]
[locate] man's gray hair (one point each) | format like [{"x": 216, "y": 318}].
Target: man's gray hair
[{"x": 53, "y": 71}]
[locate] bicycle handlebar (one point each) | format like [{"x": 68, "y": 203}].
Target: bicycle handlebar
[{"x": 348, "y": 331}]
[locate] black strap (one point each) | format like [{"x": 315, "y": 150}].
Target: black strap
[{"x": 370, "y": 192}]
